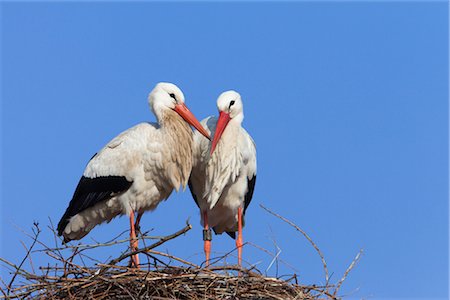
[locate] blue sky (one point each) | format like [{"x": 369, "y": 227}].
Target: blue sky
[{"x": 347, "y": 103}]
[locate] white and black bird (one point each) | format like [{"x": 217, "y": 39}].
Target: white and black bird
[
  {"x": 224, "y": 172},
  {"x": 136, "y": 170}
]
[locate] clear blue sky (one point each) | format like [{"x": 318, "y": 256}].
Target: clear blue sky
[{"x": 347, "y": 103}]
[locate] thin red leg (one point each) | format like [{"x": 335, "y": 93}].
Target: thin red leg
[
  {"x": 137, "y": 225},
  {"x": 206, "y": 238},
  {"x": 133, "y": 241},
  {"x": 239, "y": 238}
]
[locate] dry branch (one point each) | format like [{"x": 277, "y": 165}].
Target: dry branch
[
  {"x": 350, "y": 267},
  {"x": 159, "y": 243},
  {"x": 322, "y": 258}
]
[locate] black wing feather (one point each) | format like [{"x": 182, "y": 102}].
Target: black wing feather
[
  {"x": 250, "y": 188},
  {"x": 232, "y": 234},
  {"x": 192, "y": 192},
  {"x": 91, "y": 191}
]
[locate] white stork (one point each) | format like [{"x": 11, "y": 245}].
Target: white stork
[
  {"x": 224, "y": 172},
  {"x": 136, "y": 170}
]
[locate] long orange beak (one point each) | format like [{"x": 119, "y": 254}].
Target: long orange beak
[
  {"x": 224, "y": 118},
  {"x": 186, "y": 114}
]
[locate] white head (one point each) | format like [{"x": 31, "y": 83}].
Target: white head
[
  {"x": 230, "y": 102},
  {"x": 167, "y": 96},
  {"x": 230, "y": 108}
]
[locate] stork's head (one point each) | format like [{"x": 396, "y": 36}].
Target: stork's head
[
  {"x": 230, "y": 108},
  {"x": 165, "y": 96},
  {"x": 168, "y": 96}
]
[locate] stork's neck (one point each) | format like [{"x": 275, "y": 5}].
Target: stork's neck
[
  {"x": 233, "y": 128},
  {"x": 229, "y": 136},
  {"x": 178, "y": 141},
  {"x": 238, "y": 119}
]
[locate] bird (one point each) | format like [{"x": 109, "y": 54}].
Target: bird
[
  {"x": 223, "y": 174},
  {"x": 136, "y": 170}
]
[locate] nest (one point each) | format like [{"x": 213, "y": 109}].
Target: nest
[
  {"x": 71, "y": 278},
  {"x": 169, "y": 283}
]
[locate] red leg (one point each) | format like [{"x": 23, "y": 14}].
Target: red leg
[
  {"x": 137, "y": 225},
  {"x": 239, "y": 238},
  {"x": 206, "y": 238},
  {"x": 133, "y": 241}
]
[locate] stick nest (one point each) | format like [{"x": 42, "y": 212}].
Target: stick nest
[
  {"x": 163, "y": 276},
  {"x": 168, "y": 283}
]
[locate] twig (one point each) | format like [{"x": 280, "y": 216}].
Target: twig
[
  {"x": 169, "y": 237},
  {"x": 36, "y": 235},
  {"x": 111, "y": 240},
  {"x": 91, "y": 246},
  {"x": 305, "y": 235},
  {"x": 174, "y": 258},
  {"x": 84, "y": 269},
  {"x": 275, "y": 259},
  {"x": 29, "y": 257},
  {"x": 232, "y": 268},
  {"x": 160, "y": 242},
  {"x": 1, "y": 289},
  {"x": 23, "y": 272},
  {"x": 55, "y": 236},
  {"x": 214, "y": 260},
  {"x": 273, "y": 255},
  {"x": 32, "y": 237},
  {"x": 350, "y": 267}
]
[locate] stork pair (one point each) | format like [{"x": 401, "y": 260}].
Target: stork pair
[{"x": 140, "y": 168}]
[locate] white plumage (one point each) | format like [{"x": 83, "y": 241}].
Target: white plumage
[
  {"x": 135, "y": 154},
  {"x": 136, "y": 170},
  {"x": 223, "y": 182}
]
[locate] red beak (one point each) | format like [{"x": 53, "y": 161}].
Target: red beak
[
  {"x": 224, "y": 118},
  {"x": 186, "y": 114}
]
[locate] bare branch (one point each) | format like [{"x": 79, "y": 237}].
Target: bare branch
[
  {"x": 350, "y": 267},
  {"x": 174, "y": 258},
  {"x": 159, "y": 243},
  {"x": 273, "y": 255},
  {"x": 322, "y": 258},
  {"x": 36, "y": 235}
]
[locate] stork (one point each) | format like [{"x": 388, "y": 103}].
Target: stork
[
  {"x": 223, "y": 175},
  {"x": 136, "y": 170}
]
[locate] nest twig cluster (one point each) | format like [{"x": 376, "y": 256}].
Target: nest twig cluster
[
  {"x": 169, "y": 283},
  {"x": 71, "y": 278}
]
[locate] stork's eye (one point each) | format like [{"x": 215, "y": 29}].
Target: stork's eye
[
  {"x": 172, "y": 95},
  {"x": 231, "y": 103}
]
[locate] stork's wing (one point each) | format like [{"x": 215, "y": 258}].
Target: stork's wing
[
  {"x": 248, "y": 150},
  {"x": 110, "y": 171},
  {"x": 200, "y": 157},
  {"x": 191, "y": 188},
  {"x": 91, "y": 191},
  {"x": 250, "y": 167},
  {"x": 249, "y": 194}
]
